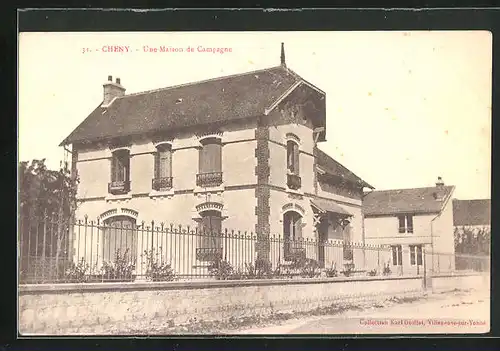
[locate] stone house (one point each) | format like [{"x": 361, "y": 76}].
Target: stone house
[
  {"x": 415, "y": 222},
  {"x": 236, "y": 152}
]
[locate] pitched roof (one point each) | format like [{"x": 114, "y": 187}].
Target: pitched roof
[
  {"x": 334, "y": 168},
  {"x": 471, "y": 212},
  {"x": 211, "y": 101},
  {"x": 414, "y": 200}
]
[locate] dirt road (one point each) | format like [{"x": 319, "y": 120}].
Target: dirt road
[{"x": 454, "y": 312}]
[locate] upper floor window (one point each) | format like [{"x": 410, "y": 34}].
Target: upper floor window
[
  {"x": 416, "y": 255},
  {"x": 210, "y": 166},
  {"x": 120, "y": 172},
  {"x": 292, "y": 157},
  {"x": 405, "y": 223},
  {"x": 163, "y": 167}
]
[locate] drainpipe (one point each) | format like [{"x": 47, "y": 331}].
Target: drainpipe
[
  {"x": 432, "y": 241},
  {"x": 363, "y": 224}
]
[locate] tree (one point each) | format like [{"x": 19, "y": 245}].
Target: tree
[
  {"x": 471, "y": 242},
  {"x": 47, "y": 201}
]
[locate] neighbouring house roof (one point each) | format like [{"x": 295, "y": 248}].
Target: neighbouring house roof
[
  {"x": 200, "y": 103},
  {"x": 334, "y": 168},
  {"x": 414, "y": 200},
  {"x": 471, "y": 212},
  {"x": 329, "y": 206}
]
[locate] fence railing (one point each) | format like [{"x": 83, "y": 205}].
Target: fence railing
[{"x": 92, "y": 251}]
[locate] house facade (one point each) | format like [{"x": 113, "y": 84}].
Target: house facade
[
  {"x": 416, "y": 223},
  {"x": 232, "y": 153}
]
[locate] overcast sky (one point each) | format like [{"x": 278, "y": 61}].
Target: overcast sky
[{"x": 402, "y": 107}]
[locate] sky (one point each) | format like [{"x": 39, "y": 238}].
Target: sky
[{"x": 402, "y": 107}]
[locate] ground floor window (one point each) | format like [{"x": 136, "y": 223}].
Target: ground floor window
[
  {"x": 292, "y": 234},
  {"x": 209, "y": 236},
  {"x": 416, "y": 255},
  {"x": 119, "y": 239},
  {"x": 397, "y": 255}
]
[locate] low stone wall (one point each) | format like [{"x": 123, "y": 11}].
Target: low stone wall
[
  {"x": 448, "y": 282},
  {"x": 104, "y": 308}
]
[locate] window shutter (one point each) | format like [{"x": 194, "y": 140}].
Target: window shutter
[
  {"x": 211, "y": 158},
  {"x": 412, "y": 254},
  {"x": 401, "y": 224},
  {"x": 298, "y": 228},
  {"x": 157, "y": 164},
  {"x": 409, "y": 223},
  {"x": 400, "y": 255},
  {"x": 113, "y": 168},
  {"x": 394, "y": 256},
  {"x": 167, "y": 163},
  {"x": 296, "y": 158},
  {"x": 419, "y": 255},
  {"x": 289, "y": 156}
]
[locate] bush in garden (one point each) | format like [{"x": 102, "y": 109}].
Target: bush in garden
[
  {"x": 220, "y": 269},
  {"x": 372, "y": 272},
  {"x": 348, "y": 269},
  {"x": 332, "y": 271},
  {"x": 387, "y": 269},
  {"x": 76, "y": 273},
  {"x": 261, "y": 269},
  {"x": 157, "y": 269},
  {"x": 121, "y": 268}
]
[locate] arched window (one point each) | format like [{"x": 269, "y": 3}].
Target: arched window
[
  {"x": 119, "y": 239},
  {"x": 292, "y": 151},
  {"x": 293, "y": 180},
  {"x": 292, "y": 235},
  {"x": 209, "y": 240}
]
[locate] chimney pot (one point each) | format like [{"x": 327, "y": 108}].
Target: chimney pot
[{"x": 110, "y": 78}]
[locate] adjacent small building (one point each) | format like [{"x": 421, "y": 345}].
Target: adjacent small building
[
  {"x": 472, "y": 214},
  {"x": 412, "y": 222}
]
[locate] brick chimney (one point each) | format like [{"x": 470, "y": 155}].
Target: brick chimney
[
  {"x": 439, "y": 193},
  {"x": 112, "y": 90}
]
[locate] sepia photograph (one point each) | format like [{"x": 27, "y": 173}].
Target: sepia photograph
[{"x": 254, "y": 183}]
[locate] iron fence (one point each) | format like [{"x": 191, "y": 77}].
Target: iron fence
[{"x": 92, "y": 251}]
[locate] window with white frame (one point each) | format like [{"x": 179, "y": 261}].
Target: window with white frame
[
  {"x": 397, "y": 255},
  {"x": 416, "y": 255},
  {"x": 405, "y": 223}
]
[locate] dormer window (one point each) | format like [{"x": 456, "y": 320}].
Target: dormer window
[
  {"x": 162, "y": 168},
  {"x": 120, "y": 172},
  {"x": 405, "y": 223}
]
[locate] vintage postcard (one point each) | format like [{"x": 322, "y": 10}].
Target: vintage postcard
[{"x": 254, "y": 183}]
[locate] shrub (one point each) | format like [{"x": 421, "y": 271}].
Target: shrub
[
  {"x": 331, "y": 272},
  {"x": 121, "y": 268},
  {"x": 387, "y": 269},
  {"x": 348, "y": 269},
  {"x": 309, "y": 268},
  {"x": 76, "y": 273},
  {"x": 157, "y": 269},
  {"x": 220, "y": 269},
  {"x": 261, "y": 269},
  {"x": 372, "y": 272}
]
